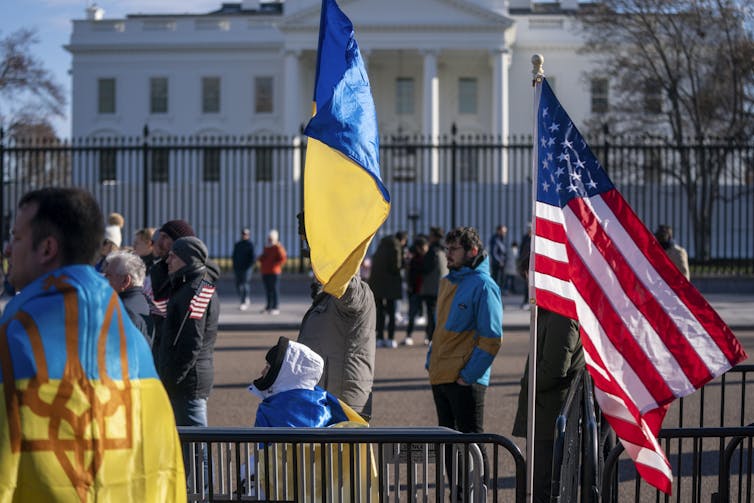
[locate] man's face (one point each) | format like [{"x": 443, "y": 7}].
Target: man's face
[
  {"x": 174, "y": 263},
  {"x": 163, "y": 245},
  {"x": 26, "y": 263},
  {"x": 457, "y": 256},
  {"x": 245, "y": 236}
]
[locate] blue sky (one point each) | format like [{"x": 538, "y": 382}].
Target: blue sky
[{"x": 52, "y": 20}]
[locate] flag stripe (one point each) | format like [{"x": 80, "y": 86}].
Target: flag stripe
[
  {"x": 693, "y": 314},
  {"x": 633, "y": 302}
]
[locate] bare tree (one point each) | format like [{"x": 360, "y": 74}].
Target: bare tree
[
  {"x": 25, "y": 82},
  {"x": 681, "y": 70}
]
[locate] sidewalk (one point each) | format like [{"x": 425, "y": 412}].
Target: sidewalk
[{"x": 736, "y": 309}]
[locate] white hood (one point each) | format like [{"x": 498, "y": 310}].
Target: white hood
[{"x": 301, "y": 369}]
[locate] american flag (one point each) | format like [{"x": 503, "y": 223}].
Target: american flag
[
  {"x": 648, "y": 334},
  {"x": 200, "y": 301}
]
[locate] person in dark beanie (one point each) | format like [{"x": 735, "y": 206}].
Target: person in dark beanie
[
  {"x": 158, "y": 287},
  {"x": 186, "y": 353}
]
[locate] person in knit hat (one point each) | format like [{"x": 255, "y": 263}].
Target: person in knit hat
[
  {"x": 185, "y": 358},
  {"x": 158, "y": 287},
  {"x": 110, "y": 243},
  {"x": 271, "y": 265}
]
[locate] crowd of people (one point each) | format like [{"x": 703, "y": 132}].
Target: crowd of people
[{"x": 82, "y": 296}]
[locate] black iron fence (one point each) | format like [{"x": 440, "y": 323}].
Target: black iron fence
[
  {"x": 708, "y": 438},
  {"x": 704, "y": 189},
  {"x": 351, "y": 465}
]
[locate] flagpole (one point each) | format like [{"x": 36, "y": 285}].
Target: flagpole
[{"x": 537, "y": 75}]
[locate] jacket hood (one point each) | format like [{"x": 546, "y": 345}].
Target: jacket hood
[
  {"x": 301, "y": 369},
  {"x": 481, "y": 265}
]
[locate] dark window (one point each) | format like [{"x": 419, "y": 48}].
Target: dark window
[
  {"x": 211, "y": 166},
  {"x": 404, "y": 96},
  {"x": 106, "y": 96},
  {"x": 599, "y": 90},
  {"x": 160, "y": 171},
  {"x": 652, "y": 97},
  {"x": 107, "y": 166},
  {"x": 263, "y": 95},
  {"x": 467, "y": 95},
  {"x": 210, "y": 95},
  {"x": 158, "y": 95}
]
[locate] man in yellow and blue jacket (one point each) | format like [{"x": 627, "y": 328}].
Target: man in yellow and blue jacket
[
  {"x": 83, "y": 416},
  {"x": 467, "y": 335}
]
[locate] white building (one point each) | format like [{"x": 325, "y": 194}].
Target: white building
[{"x": 248, "y": 68}]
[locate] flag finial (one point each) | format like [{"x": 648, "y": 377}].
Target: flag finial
[{"x": 537, "y": 71}]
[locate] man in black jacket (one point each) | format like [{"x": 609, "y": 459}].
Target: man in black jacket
[
  {"x": 243, "y": 260},
  {"x": 158, "y": 293},
  {"x": 186, "y": 353}
]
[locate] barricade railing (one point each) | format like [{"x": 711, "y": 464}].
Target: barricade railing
[
  {"x": 707, "y": 435},
  {"x": 575, "y": 467},
  {"x": 697, "y": 431},
  {"x": 351, "y": 465}
]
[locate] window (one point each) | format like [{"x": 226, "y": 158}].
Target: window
[
  {"x": 263, "y": 158},
  {"x": 263, "y": 97},
  {"x": 211, "y": 165},
  {"x": 404, "y": 96},
  {"x": 106, "y": 96},
  {"x": 211, "y": 95},
  {"x": 467, "y": 95},
  {"x": 652, "y": 97},
  {"x": 158, "y": 95},
  {"x": 107, "y": 166},
  {"x": 160, "y": 165},
  {"x": 599, "y": 96}
]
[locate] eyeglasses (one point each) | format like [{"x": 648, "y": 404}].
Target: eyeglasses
[{"x": 450, "y": 249}]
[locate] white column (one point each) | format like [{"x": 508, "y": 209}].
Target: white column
[
  {"x": 431, "y": 114},
  {"x": 291, "y": 101},
  {"x": 292, "y": 110},
  {"x": 500, "y": 61}
]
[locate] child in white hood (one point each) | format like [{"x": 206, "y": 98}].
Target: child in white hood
[{"x": 289, "y": 391}]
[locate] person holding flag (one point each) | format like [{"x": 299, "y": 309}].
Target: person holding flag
[
  {"x": 649, "y": 336},
  {"x": 345, "y": 203}
]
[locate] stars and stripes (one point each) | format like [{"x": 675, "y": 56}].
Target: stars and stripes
[
  {"x": 648, "y": 334},
  {"x": 200, "y": 301},
  {"x": 159, "y": 307}
]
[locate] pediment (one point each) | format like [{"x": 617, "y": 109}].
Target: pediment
[{"x": 395, "y": 14}]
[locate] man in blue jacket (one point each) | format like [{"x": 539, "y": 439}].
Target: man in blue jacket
[{"x": 467, "y": 335}]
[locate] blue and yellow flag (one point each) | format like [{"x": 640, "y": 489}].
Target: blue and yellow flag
[
  {"x": 83, "y": 415},
  {"x": 345, "y": 201}
]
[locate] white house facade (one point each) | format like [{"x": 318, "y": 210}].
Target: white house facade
[{"x": 248, "y": 68}]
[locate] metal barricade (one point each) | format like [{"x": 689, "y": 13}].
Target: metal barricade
[{"x": 351, "y": 465}]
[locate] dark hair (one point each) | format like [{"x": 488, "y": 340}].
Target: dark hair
[
  {"x": 401, "y": 235},
  {"x": 467, "y": 237},
  {"x": 419, "y": 241},
  {"x": 436, "y": 232},
  {"x": 70, "y": 215}
]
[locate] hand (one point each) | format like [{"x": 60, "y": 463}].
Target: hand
[{"x": 461, "y": 382}]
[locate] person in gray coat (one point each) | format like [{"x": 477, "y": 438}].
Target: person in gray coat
[
  {"x": 342, "y": 331},
  {"x": 387, "y": 284}
]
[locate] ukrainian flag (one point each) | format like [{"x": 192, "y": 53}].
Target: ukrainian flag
[{"x": 345, "y": 201}]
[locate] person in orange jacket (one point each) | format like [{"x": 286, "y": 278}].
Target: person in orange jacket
[{"x": 271, "y": 265}]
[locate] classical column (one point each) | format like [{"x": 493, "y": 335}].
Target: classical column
[
  {"x": 500, "y": 61},
  {"x": 431, "y": 115},
  {"x": 292, "y": 95}
]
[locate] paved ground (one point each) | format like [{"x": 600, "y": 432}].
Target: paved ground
[{"x": 736, "y": 307}]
